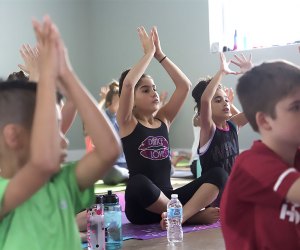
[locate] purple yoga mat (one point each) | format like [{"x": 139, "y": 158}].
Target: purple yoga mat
[
  {"x": 146, "y": 232},
  {"x": 151, "y": 231}
]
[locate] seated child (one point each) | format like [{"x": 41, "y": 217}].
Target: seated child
[
  {"x": 218, "y": 145},
  {"x": 39, "y": 199},
  {"x": 110, "y": 100},
  {"x": 144, "y": 128},
  {"x": 260, "y": 205}
]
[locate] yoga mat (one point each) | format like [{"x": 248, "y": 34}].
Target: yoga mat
[{"x": 151, "y": 231}]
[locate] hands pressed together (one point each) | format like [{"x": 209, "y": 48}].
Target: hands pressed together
[
  {"x": 50, "y": 56},
  {"x": 151, "y": 42}
]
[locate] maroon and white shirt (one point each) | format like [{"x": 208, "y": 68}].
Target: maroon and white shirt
[{"x": 254, "y": 211}]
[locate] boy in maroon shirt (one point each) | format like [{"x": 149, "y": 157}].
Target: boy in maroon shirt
[{"x": 260, "y": 207}]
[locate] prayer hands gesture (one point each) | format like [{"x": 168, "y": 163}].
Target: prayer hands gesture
[{"x": 147, "y": 40}]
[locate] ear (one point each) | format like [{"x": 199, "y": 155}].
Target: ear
[
  {"x": 11, "y": 136},
  {"x": 263, "y": 121}
]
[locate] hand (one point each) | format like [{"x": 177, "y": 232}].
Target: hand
[
  {"x": 30, "y": 57},
  {"x": 230, "y": 94},
  {"x": 158, "y": 52},
  {"x": 103, "y": 92},
  {"x": 47, "y": 34},
  {"x": 163, "y": 96},
  {"x": 224, "y": 67},
  {"x": 243, "y": 63},
  {"x": 147, "y": 41},
  {"x": 64, "y": 61}
]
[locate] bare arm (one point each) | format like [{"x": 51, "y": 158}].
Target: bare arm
[
  {"x": 103, "y": 92},
  {"x": 237, "y": 117},
  {"x": 293, "y": 194},
  {"x": 125, "y": 117},
  {"x": 244, "y": 64},
  {"x": 45, "y": 150},
  {"x": 181, "y": 81},
  {"x": 68, "y": 113},
  {"x": 96, "y": 163},
  {"x": 206, "y": 121}
]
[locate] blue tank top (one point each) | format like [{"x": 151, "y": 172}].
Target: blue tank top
[
  {"x": 222, "y": 150},
  {"x": 147, "y": 152}
]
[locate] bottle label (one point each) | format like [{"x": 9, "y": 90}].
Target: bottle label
[
  {"x": 174, "y": 212},
  {"x": 95, "y": 228}
]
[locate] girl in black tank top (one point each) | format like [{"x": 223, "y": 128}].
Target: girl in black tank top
[{"x": 144, "y": 127}]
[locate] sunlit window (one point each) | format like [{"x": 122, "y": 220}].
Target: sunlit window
[{"x": 248, "y": 24}]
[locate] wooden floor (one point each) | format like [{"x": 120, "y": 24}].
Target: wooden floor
[{"x": 209, "y": 239}]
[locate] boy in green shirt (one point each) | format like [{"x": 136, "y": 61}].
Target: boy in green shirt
[{"x": 38, "y": 197}]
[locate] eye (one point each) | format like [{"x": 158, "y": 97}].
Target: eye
[{"x": 296, "y": 108}]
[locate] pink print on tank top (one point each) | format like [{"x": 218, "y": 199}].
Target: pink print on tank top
[{"x": 155, "y": 148}]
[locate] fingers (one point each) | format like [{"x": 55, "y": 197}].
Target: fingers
[
  {"x": 23, "y": 68},
  {"x": 37, "y": 27},
  {"x": 142, "y": 32}
]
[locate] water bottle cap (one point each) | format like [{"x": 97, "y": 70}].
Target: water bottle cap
[
  {"x": 174, "y": 195},
  {"x": 110, "y": 198},
  {"x": 99, "y": 199}
]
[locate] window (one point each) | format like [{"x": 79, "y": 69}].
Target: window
[{"x": 248, "y": 24}]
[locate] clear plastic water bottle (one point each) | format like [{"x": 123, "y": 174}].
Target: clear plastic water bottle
[
  {"x": 112, "y": 221},
  {"x": 174, "y": 215},
  {"x": 95, "y": 225}
]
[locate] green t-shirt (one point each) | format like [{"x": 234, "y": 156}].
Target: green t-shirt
[{"x": 47, "y": 220}]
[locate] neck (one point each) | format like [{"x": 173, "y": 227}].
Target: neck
[
  {"x": 286, "y": 152},
  {"x": 221, "y": 124}
]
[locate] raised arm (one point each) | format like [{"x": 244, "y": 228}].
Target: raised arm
[
  {"x": 45, "y": 150},
  {"x": 206, "y": 121},
  {"x": 103, "y": 93},
  {"x": 181, "y": 81},
  {"x": 237, "y": 117},
  {"x": 95, "y": 164},
  {"x": 125, "y": 117},
  {"x": 31, "y": 67},
  {"x": 244, "y": 64}
]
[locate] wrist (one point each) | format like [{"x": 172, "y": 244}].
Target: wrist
[
  {"x": 159, "y": 56},
  {"x": 162, "y": 59}
]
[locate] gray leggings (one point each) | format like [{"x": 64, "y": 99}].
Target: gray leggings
[{"x": 117, "y": 174}]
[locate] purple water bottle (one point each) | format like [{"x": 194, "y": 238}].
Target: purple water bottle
[{"x": 95, "y": 225}]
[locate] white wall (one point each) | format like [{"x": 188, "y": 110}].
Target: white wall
[{"x": 102, "y": 41}]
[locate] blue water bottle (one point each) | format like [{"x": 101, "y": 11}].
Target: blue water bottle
[{"x": 112, "y": 221}]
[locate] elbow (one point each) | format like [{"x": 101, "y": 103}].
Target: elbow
[
  {"x": 112, "y": 153},
  {"x": 46, "y": 165},
  {"x": 187, "y": 86}
]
